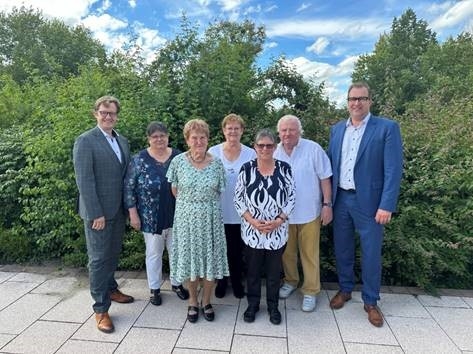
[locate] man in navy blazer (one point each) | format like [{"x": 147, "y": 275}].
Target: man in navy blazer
[
  {"x": 101, "y": 158},
  {"x": 366, "y": 156}
]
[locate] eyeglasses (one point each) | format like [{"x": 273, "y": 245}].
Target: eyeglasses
[
  {"x": 104, "y": 114},
  {"x": 359, "y": 99},
  {"x": 158, "y": 136},
  {"x": 267, "y": 146}
]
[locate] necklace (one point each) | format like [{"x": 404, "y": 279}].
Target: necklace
[{"x": 197, "y": 160}]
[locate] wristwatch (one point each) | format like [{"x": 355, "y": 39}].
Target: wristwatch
[{"x": 327, "y": 204}]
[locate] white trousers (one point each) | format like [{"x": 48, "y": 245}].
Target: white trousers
[{"x": 154, "y": 257}]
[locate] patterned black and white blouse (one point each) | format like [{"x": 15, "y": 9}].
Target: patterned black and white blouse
[{"x": 265, "y": 197}]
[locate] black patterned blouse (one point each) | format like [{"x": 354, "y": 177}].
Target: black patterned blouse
[{"x": 265, "y": 197}]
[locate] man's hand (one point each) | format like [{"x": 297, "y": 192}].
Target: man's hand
[
  {"x": 99, "y": 223},
  {"x": 383, "y": 216}
]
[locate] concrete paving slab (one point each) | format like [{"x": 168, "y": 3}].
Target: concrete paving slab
[
  {"x": 402, "y": 306},
  {"x": 442, "y": 301},
  {"x": 123, "y": 317},
  {"x": 4, "y": 276},
  {"x": 261, "y": 326},
  {"x": 215, "y": 335},
  {"x": 457, "y": 323},
  {"x": 29, "y": 278},
  {"x": 138, "y": 288},
  {"x": 421, "y": 335},
  {"x": 193, "y": 351},
  {"x": 469, "y": 301},
  {"x": 245, "y": 344},
  {"x": 83, "y": 346},
  {"x": 57, "y": 286},
  {"x": 21, "y": 314},
  {"x": 171, "y": 314},
  {"x": 5, "y": 338},
  {"x": 12, "y": 291},
  {"x": 42, "y": 337},
  {"x": 314, "y": 332},
  {"x": 354, "y": 326},
  {"x": 77, "y": 308},
  {"x": 359, "y": 348},
  {"x": 148, "y": 340}
]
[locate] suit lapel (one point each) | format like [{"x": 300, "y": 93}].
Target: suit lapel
[
  {"x": 367, "y": 136},
  {"x": 105, "y": 145}
]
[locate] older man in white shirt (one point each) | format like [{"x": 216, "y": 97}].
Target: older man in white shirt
[{"x": 312, "y": 171}]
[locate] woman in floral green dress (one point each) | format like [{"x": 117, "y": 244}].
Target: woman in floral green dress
[{"x": 199, "y": 246}]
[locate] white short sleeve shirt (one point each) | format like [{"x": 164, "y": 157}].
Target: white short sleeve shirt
[{"x": 310, "y": 164}]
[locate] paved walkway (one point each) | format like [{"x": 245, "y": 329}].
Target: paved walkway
[{"x": 49, "y": 311}]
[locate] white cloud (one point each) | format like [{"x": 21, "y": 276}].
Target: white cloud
[
  {"x": 105, "y": 6},
  {"x": 319, "y": 45},
  {"x": 459, "y": 12},
  {"x": 149, "y": 41},
  {"x": 271, "y": 8},
  {"x": 303, "y": 7},
  {"x": 68, "y": 11},
  {"x": 230, "y": 5},
  {"x": 336, "y": 77},
  {"x": 132, "y": 3},
  {"x": 351, "y": 28},
  {"x": 103, "y": 22},
  {"x": 269, "y": 45},
  {"x": 253, "y": 9}
]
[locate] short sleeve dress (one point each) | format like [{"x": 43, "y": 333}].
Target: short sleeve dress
[{"x": 199, "y": 247}]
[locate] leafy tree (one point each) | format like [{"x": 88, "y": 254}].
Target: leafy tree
[
  {"x": 31, "y": 46},
  {"x": 393, "y": 70}
]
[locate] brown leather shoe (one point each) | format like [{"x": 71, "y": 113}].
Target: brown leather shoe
[
  {"x": 339, "y": 300},
  {"x": 104, "y": 323},
  {"x": 374, "y": 315},
  {"x": 118, "y": 296}
]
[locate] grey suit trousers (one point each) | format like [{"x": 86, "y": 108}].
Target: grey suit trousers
[{"x": 103, "y": 248}]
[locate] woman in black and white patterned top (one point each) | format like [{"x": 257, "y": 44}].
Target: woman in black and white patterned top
[{"x": 264, "y": 198}]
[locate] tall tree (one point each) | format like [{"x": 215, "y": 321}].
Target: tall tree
[
  {"x": 31, "y": 46},
  {"x": 393, "y": 69}
]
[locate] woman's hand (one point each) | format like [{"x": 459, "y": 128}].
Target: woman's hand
[{"x": 135, "y": 221}]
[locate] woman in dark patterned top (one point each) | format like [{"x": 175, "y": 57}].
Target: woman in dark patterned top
[
  {"x": 151, "y": 204},
  {"x": 264, "y": 198}
]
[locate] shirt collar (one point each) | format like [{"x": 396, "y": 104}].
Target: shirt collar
[
  {"x": 363, "y": 122},
  {"x": 114, "y": 133}
]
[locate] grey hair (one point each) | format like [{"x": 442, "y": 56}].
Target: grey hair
[
  {"x": 265, "y": 133},
  {"x": 288, "y": 118}
]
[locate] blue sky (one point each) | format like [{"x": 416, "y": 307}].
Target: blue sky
[{"x": 320, "y": 38}]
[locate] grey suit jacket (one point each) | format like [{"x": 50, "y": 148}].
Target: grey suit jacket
[{"x": 99, "y": 174}]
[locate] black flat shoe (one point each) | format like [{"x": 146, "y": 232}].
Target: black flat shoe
[
  {"x": 274, "y": 316},
  {"x": 155, "y": 298},
  {"x": 181, "y": 292},
  {"x": 221, "y": 288},
  {"x": 250, "y": 313},
  {"x": 192, "y": 317},
  {"x": 208, "y": 312}
]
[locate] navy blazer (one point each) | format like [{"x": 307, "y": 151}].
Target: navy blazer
[{"x": 378, "y": 165}]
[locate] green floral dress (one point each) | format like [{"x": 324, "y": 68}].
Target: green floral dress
[{"x": 199, "y": 248}]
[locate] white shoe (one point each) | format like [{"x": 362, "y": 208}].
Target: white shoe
[
  {"x": 309, "y": 302},
  {"x": 285, "y": 290}
]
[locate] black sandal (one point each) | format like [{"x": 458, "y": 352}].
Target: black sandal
[
  {"x": 208, "y": 312},
  {"x": 192, "y": 317}
]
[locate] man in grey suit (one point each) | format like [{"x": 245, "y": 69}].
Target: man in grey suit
[{"x": 101, "y": 157}]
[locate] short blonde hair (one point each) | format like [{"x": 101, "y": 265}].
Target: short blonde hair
[
  {"x": 197, "y": 125},
  {"x": 232, "y": 117}
]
